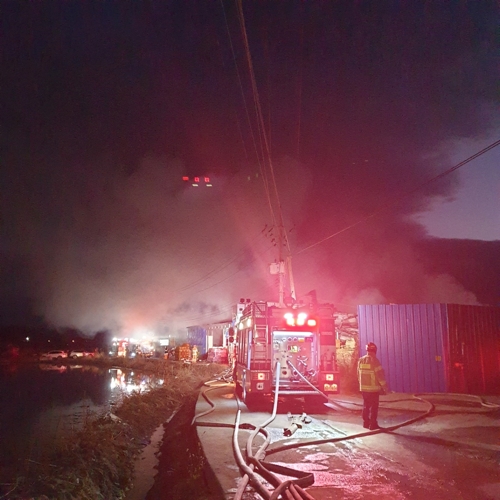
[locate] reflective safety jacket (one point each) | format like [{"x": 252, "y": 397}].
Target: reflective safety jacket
[{"x": 371, "y": 375}]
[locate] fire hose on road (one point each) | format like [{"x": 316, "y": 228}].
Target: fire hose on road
[{"x": 254, "y": 468}]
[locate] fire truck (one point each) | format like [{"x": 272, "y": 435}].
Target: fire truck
[{"x": 300, "y": 342}]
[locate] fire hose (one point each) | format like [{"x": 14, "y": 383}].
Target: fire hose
[
  {"x": 291, "y": 489},
  {"x": 254, "y": 465}
]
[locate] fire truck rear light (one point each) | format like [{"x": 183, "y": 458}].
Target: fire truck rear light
[
  {"x": 311, "y": 322},
  {"x": 329, "y": 376}
]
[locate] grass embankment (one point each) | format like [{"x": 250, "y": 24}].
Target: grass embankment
[{"x": 98, "y": 461}]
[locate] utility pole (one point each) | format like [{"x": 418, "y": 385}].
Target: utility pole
[{"x": 283, "y": 268}]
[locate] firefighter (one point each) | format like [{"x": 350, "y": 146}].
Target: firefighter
[{"x": 371, "y": 384}]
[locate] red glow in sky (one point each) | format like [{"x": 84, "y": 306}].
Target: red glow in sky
[{"x": 109, "y": 113}]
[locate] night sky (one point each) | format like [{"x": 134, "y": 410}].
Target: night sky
[{"x": 106, "y": 105}]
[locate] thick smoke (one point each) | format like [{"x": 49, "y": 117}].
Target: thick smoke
[{"x": 360, "y": 106}]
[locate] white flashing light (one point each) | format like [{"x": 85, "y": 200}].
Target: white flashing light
[
  {"x": 301, "y": 318},
  {"x": 291, "y": 333},
  {"x": 290, "y": 320},
  {"x": 311, "y": 322}
]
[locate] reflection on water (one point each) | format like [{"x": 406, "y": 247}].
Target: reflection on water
[
  {"x": 128, "y": 382},
  {"x": 41, "y": 403}
]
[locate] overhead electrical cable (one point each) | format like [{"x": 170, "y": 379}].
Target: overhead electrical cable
[
  {"x": 301, "y": 81},
  {"x": 245, "y": 105},
  {"x": 262, "y": 291},
  {"x": 260, "y": 121},
  {"x": 277, "y": 219},
  {"x": 231, "y": 275},
  {"x": 202, "y": 315},
  {"x": 259, "y": 254},
  {"x": 220, "y": 268},
  {"x": 227, "y": 307},
  {"x": 404, "y": 195}
]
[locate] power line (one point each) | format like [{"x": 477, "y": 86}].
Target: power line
[
  {"x": 404, "y": 195},
  {"x": 221, "y": 311},
  {"x": 227, "y": 307},
  {"x": 258, "y": 110},
  {"x": 220, "y": 268},
  {"x": 230, "y": 276},
  {"x": 217, "y": 269},
  {"x": 278, "y": 220},
  {"x": 241, "y": 87}
]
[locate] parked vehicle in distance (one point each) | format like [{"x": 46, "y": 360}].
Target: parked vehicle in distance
[
  {"x": 53, "y": 355},
  {"x": 80, "y": 353}
]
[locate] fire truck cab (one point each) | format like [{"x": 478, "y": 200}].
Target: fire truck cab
[{"x": 300, "y": 341}]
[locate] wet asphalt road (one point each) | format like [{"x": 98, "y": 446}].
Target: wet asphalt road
[{"x": 452, "y": 454}]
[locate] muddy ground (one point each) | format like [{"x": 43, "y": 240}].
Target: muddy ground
[{"x": 183, "y": 471}]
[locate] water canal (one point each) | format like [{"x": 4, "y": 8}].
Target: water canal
[{"x": 41, "y": 402}]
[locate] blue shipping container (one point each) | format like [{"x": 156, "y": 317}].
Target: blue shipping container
[{"x": 435, "y": 347}]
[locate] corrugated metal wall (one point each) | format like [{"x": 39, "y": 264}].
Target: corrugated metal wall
[
  {"x": 473, "y": 341},
  {"x": 409, "y": 340},
  {"x": 435, "y": 347}
]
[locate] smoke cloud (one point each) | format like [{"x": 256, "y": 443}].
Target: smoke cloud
[{"x": 360, "y": 106}]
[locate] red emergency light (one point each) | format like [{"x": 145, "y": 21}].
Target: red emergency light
[
  {"x": 299, "y": 319},
  {"x": 197, "y": 181}
]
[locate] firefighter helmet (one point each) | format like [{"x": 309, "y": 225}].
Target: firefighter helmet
[{"x": 371, "y": 347}]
